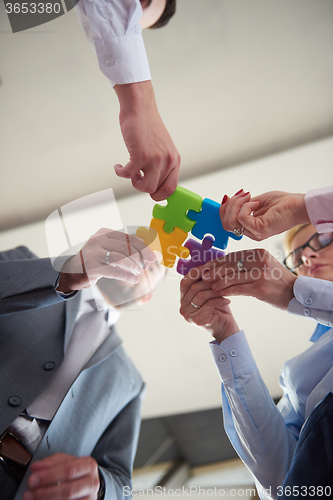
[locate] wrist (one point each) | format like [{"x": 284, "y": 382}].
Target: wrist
[
  {"x": 64, "y": 285},
  {"x": 135, "y": 96},
  {"x": 301, "y": 213},
  {"x": 225, "y": 333}
]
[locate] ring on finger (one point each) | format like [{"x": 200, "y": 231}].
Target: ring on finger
[
  {"x": 239, "y": 232},
  {"x": 108, "y": 253},
  {"x": 240, "y": 266},
  {"x": 195, "y": 306}
]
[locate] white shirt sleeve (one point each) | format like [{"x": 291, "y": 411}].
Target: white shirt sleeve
[
  {"x": 319, "y": 205},
  {"x": 313, "y": 299},
  {"x": 256, "y": 428},
  {"x": 113, "y": 30}
]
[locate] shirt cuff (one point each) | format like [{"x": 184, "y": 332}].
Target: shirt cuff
[
  {"x": 123, "y": 59},
  {"x": 313, "y": 299},
  {"x": 233, "y": 357},
  {"x": 314, "y": 292},
  {"x": 319, "y": 203}
]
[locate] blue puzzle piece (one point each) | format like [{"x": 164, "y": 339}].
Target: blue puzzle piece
[
  {"x": 208, "y": 221},
  {"x": 200, "y": 254}
]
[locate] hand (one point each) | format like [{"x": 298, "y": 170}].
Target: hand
[
  {"x": 154, "y": 160},
  {"x": 62, "y": 477},
  {"x": 213, "y": 312},
  {"x": 128, "y": 256},
  {"x": 262, "y": 277},
  {"x": 265, "y": 215}
]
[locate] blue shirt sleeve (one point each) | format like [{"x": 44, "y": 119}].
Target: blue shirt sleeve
[
  {"x": 264, "y": 438},
  {"x": 313, "y": 299}
]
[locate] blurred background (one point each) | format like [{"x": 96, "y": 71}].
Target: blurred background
[{"x": 245, "y": 89}]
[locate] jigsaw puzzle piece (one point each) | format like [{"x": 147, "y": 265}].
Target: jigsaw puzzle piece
[
  {"x": 208, "y": 221},
  {"x": 170, "y": 244},
  {"x": 150, "y": 238},
  {"x": 200, "y": 254},
  {"x": 174, "y": 213}
]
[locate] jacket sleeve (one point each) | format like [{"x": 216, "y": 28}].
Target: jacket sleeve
[
  {"x": 113, "y": 30},
  {"x": 313, "y": 299},
  {"x": 115, "y": 451},
  {"x": 26, "y": 281},
  {"x": 264, "y": 437}
]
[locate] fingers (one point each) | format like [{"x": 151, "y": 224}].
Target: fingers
[
  {"x": 119, "y": 250},
  {"x": 230, "y": 209},
  {"x": 169, "y": 185},
  {"x": 159, "y": 177},
  {"x": 63, "y": 477},
  {"x": 195, "y": 294}
]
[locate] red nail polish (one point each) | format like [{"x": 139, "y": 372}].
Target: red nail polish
[
  {"x": 225, "y": 197},
  {"x": 246, "y": 193},
  {"x": 238, "y": 192}
]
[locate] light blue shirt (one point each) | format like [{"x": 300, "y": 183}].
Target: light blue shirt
[{"x": 263, "y": 434}]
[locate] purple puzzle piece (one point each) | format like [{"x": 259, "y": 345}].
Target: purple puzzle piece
[{"x": 200, "y": 254}]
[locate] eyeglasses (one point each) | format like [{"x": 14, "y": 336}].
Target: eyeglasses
[{"x": 316, "y": 242}]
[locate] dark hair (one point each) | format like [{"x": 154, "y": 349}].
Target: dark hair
[{"x": 168, "y": 12}]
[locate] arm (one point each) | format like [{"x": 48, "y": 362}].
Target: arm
[
  {"x": 264, "y": 439},
  {"x": 266, "y": 279},
  {"x": 30, "y": 283},
  {"x": 26, "y": 281},
  {"x": 313, "y": 299},
  {"x": 113, "y": 29},
  {"x": 276, "y": 211},
  {"x": 115, "y": 451}
]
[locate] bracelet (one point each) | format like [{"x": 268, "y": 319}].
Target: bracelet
[{"x": 101, "y": 491}]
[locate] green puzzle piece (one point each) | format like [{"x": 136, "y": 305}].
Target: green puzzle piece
[{"x": 174, "y": 213}]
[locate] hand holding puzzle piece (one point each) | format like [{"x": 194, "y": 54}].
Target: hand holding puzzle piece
[{"x": 186, "y": 211}]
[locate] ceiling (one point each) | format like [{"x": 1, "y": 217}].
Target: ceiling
[{"x": 234, "y": 81}]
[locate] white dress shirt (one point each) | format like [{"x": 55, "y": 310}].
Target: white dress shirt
[{"x": 113, "y": 30}]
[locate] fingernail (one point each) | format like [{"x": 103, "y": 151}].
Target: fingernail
[
  {"x": 246, "y": 193},
  {"x": 225, "y": 197},
  {"x": 238, "y": 192}
]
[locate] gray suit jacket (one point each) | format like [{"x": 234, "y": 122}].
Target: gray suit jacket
[{"x": 100, "y": 415}]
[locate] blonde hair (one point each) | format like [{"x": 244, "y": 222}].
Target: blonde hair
[{"x": 290, "y": 235}]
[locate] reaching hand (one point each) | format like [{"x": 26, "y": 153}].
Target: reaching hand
[
  {"x": 154, "y": 161},
  {"x": 64, "y": 477},
  {"x": 107, "y": 254},
  {"x": 255, "y": 273},
  {"x": 265, "y": 215},
  {"x": 202, "y": 305}
]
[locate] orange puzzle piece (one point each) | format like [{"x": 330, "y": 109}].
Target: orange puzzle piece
[{"x": 168, "y": 244}]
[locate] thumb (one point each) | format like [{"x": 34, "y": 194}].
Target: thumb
[
  {"x": 124, "y": 172},
  {"x": 254, "y": 227}
]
